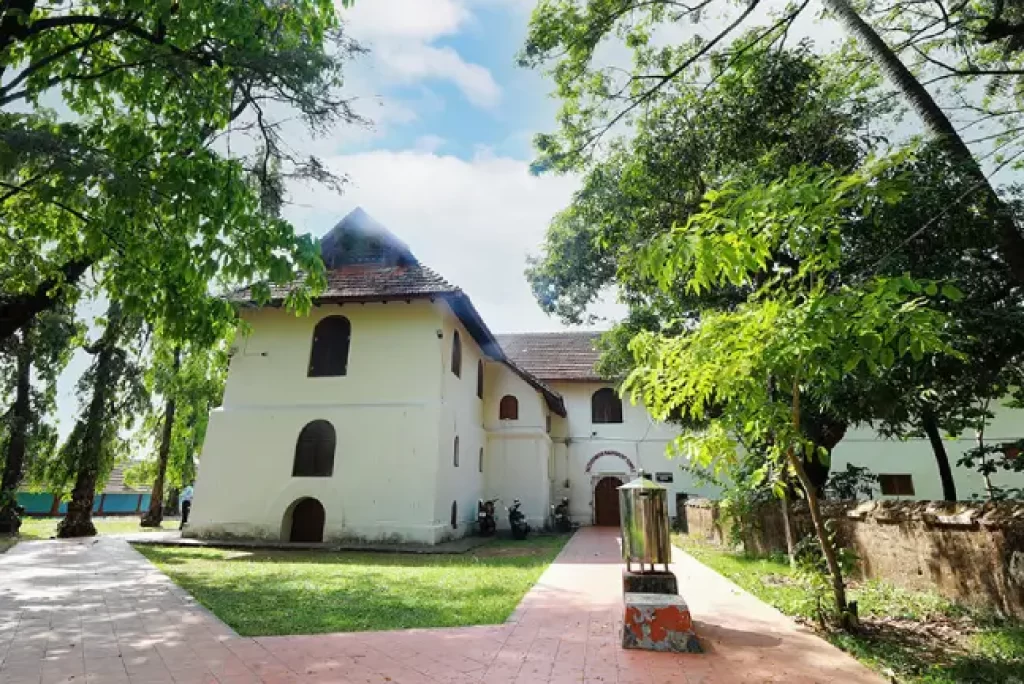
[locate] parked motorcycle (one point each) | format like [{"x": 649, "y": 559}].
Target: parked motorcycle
[
  {"x": 517, "y": 521},
  {"x": 560, "y": 519},
  {"x": 485, "y": 518}
]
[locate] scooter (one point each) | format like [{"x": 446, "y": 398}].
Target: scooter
[
  {"x": 560, "y": 519},
  {"x": 517, "y": 521},
  {"x": 485, "y": 520}
]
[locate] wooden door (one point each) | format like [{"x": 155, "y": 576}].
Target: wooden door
[
  {"x": 307, "y": 522},
  {"x": 606, "y": 502}
]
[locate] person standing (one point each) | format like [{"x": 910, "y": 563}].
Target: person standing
[{"x": 186, "y": 505}]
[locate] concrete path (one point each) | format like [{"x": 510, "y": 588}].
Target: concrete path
[{"x": 96, "y": 611}]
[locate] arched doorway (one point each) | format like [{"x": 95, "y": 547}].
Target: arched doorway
[
  {"x": 606, "y": 501},
  {"x": 307, "y": 522}
]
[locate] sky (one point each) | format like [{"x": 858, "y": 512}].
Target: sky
[{"x": 445, "y": 164}]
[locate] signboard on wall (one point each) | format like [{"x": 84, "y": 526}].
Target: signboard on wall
[{"x": 663, "y": 477}]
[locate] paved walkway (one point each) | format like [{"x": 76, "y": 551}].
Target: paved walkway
[{"x": 96, "y": 611}]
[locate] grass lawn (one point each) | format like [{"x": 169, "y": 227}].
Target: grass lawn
[
  {"x": 262, "y": 593},
  {"x": 45, "y": 528},
  {"x": 914, "y": 637}
]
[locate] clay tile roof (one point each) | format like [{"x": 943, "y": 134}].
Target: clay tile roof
[
  {"x": 554, "y": 356},
  {"x": 369, "y": 282},
  {"x": 115, "y": 483}
]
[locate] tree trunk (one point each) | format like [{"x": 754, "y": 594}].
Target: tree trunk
[
  {"x": 155, "y": 515},
  {"x": 847, "y": 617},
  {"x": 931, "y": 428},
  {"x": 18, "y": 310},
  {"x": 787, "y": 526},
  {"x": 78, "y": 520},
  {"x": 171, "y": 503},
  {"x": 17, "y": 443},
  {"x": 1011, "y": 242}
]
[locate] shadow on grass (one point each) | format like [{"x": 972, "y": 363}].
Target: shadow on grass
[
  {"x": 994, "y": 656},
  {"x": 499, "y": 553}
]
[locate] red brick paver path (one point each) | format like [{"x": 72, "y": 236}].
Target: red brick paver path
[{"x": 96, "y": 611}]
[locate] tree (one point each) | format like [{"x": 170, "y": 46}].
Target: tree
[
  {"x": 191, "y": 381},
  {"x": 796, "y": 337},
  {"x": 740, "y": 104},
  {"x": 595, "y": 98},
  {"x": 136, "y": 184},
  {"x": 112, "y": 394},
  {"x": 155, "y": 515},
  {"x": 1011, "y": 242},
  {"x": 28, "y": 439},
  {"x": 764, "y": 110}
]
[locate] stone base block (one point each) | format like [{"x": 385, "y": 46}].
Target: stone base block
[
  {"x": 658, "y": 622},
  {"x": 649, "y": 583}
]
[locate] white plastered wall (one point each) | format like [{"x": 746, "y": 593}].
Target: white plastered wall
[
  {"x": 518, "y": 455},
  {"x": 385, "y": 411},
  {"x": 584, "y": 452},
  {"x": 461, "y": 415}
]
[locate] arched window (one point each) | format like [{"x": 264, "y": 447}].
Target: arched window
[
  {"x": 455, "y": 515},
  {"x": 508, "y": 409},
  {"x": 481, "y": 462},
  {"x": 480, "y": 378},
  {"x": 605, "y": 406},
  {"x": 456, "y": 451},
  {"x": 329, "y": 355},
  {"x": 314, "y": 450},
  {"x": 457, "y": 355}
]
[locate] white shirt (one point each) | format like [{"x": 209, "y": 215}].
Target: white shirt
[{"x": 186, "y": 494}]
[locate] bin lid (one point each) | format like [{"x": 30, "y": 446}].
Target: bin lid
[{"x": 642, "y": 483}]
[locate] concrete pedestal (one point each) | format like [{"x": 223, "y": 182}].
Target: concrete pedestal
[
  {"x": 658, "y": 622},
  {"x": 649, "y": 583}
]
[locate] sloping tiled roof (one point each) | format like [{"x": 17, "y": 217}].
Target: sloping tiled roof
[
  {"x": 367, "y": 282},
  {"x": 116, "y": 485},
  {"x": 554, "y": 356}
]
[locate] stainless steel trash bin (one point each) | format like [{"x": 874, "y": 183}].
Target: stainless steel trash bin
[{"x": 643, "y": 508}]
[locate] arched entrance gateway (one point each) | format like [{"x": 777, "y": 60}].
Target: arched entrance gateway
[
  {"x": 307, "y": 521},
  {"x": 606, "y": 501}
]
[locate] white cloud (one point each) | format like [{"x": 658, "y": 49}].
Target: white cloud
[
  {"x": 408, "y": 19},
  {"x": 416, "y": 62},
  {"x": 401, "y": 35},
  {"x": 474, "y": 221},
  {"x": 429, "y": 143}
]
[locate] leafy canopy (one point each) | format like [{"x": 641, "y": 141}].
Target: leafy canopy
[
  {"x": 132, "y": 173},
  {"x": 799, "y": 335}
]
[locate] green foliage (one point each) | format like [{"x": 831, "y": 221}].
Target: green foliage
[
  {"x": 196, "y": 387},
  {"x": 853, "y": 483},
  {"x": 798, "y": 328},
  {"x": 135, "y": 182},
  {"x": 763, "y": 112}
]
